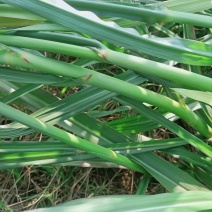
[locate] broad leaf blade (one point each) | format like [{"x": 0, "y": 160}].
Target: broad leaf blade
[
  {"x": 201, "y": 96},
  {"x": 188, "y": 201},
  {"x": 166, "y": 173},
  {"x": 156, "y": 166},
  {"x": 157, "y": 117},
  {"x": 186, "y": 5},
  {"x": 191, "y": 52}
]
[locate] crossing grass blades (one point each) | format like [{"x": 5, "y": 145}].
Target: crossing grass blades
[{"x": 99, "y": 81}]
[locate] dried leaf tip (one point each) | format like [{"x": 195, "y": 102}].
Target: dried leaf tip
[
  {"x": 86, "y": 78},
  {"x": 25, "y": 59}
]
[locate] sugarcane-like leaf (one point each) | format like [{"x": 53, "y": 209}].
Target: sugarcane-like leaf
[
  {"x": 195, "y": 159},
  {"x": 67, "y": 138},
  {"x": 155, "y": 165},
  {"x": 157, "y": 117},
  {"x": 201, "y": 96},
  {"x": 186, "y": 5},
  {"x": 96, "y": 51},
  {"x": 186, "y": 51},
  {"x": 187, "y": 201},
  {"x": 72, "y": 105},
  {"x": 28, "y": 77}
]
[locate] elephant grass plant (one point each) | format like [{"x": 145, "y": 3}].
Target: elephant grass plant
[{"x": 156, "y": 72}]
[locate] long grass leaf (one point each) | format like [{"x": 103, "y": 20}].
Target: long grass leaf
[
  {"x": 169, "y": 179},
  {"x": 186, "y": 201},
  {"x": 97, "y": 51},
  {"x": 205, "y": 97},
  {"x": 67, "y": 137},
  {"x": 88, "y": 23},
  {"x": 106, "y": 82},
  {"x": 157, "y": 117},
  {"x": 55, "y": 112},
  {"x": 166, "y": 173}
]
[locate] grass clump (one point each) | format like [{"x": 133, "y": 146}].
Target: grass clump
[{"x": 100, "y": 84}]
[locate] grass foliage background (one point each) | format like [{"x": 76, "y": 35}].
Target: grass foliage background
[{"x": 105, "y": 98}]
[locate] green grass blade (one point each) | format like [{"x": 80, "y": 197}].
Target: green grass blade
[
  {"x": 139, "y": 123},
  {"x": 140, "y": 65},
  {"x": 186, "y": 5},
  {"x": 20, "y": 92},
  {"x": 166, "y": 173},
  {"x": 55, "y": 111},
  {"x": 14, "y": 75},
  {"x": 69, "y": 161},
  {"x": 19, "y": 154},
  {"x": 141, "y": 13},
  {"x": 201, "y": 96},
  {"x": 11, "y": 12},
  {"x": 104, "y": 135},
  {"x": 157, "y": 117},
  {"x": 189, "y": 52},
  {"x": 143, "y": 185},
  {"x": 98, "y": 114},
  {"x": 7, "y": 23},
  {"x": 111, "y": 136},
  {"x": 106, "y": 82},
  {"x": 33, "y": 101},
  {"x": 127, "y": 148},
  {"x": 195, "y": 159},
  {"x": 108, "y": 141},
  {"x": 186, "y": 201},
  {"x": 67, "y": 137},
  {"x": 204, "y": 176}
]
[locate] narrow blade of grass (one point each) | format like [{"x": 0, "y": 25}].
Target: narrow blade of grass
[
  {"x": 187, "y": 201},
  {"x": 157, "y": 117},
  {"x": 89, "y": 23}
]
